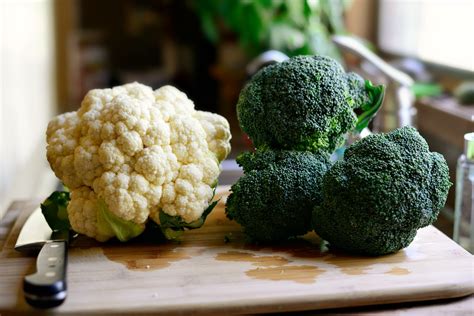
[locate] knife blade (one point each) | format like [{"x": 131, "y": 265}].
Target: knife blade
[{"x": 47, "y": 286}]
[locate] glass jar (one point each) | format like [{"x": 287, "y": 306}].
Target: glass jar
[{"x": 464, "y": 203}]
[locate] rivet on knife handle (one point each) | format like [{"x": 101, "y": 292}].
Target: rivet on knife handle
[{"x": 47, "y": 287}]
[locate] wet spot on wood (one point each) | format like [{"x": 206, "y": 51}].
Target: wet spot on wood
[
  {"x": 261, "y": 261},
  {"x": 273, "y": 268},
  {"x": 355, "y": 270},
  {"x": 307, "y": 250},
  {"x": 304, "y": 274},
  {"x": 358, "y": 265},
  {"x": 398, "y": 271},
  {"x": 146, "y": 259}
]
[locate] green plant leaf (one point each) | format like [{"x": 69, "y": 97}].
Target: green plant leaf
[
  {"x": 108, "y": 223},
  {"x": 209, "y": 27},
  {"x": 267, "y": 4},
  {"x": 251, "y": 27},
  {"x": 253, "y": 22},
  {"x": 54, "y": 210},
  {"x": 296, "y": 12},
  {"x": 376, "y": 95},
  {"x": 286, "y": 38},
  {"x": 311, "y": 8},
  {"x": 319, "y": 42},
  {"x": 333, "y": 13},
  {"x": 420, "y": 89}
]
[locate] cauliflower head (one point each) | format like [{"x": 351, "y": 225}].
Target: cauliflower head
[{"x": 130, "y": 154}]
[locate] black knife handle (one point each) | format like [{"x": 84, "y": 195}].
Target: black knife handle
[{"x": 47, "y": 287}]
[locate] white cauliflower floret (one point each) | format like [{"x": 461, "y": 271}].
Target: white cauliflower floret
[
  {"x": 217, "y": 131},
  {"x": 82, "y": 211},
  {"x": 62, "y": 135},
  {"x": 139, "y": 151}
]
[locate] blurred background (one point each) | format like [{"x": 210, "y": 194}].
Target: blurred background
[{"x": 53, "y": 51}]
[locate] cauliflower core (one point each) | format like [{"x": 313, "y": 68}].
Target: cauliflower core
[{"x": 140, "y": 152}]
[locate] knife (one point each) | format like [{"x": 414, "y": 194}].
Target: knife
[{"x": 47, "y": 287}]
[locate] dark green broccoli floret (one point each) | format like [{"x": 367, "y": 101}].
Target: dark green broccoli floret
[
  {"x": 385, "y": 189},
  {"x": 274, "y": 198},
  {"x": 304, "y": 103},
  {"x": 357, "y": 90}
]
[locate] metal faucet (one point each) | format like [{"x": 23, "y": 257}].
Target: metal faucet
[
  {"x": 398, "y": 109},
  {"x": 264, "y": 59}
]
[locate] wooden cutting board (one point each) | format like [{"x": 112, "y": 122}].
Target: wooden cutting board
[{"x": 213, "y": 270}]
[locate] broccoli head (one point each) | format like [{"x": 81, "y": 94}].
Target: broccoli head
[
  {"x": 274, "y": 198},
  {"x": 305, "y": 103},
  {"x": 386, "y": 187}
]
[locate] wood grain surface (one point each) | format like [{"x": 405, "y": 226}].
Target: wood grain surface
[{"x": 213, "y": 270}]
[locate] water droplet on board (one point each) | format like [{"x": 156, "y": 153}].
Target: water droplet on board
[{"x": 398, "y": 271}]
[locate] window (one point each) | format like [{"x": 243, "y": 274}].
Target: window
[{"x": 436, "y": 31}]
